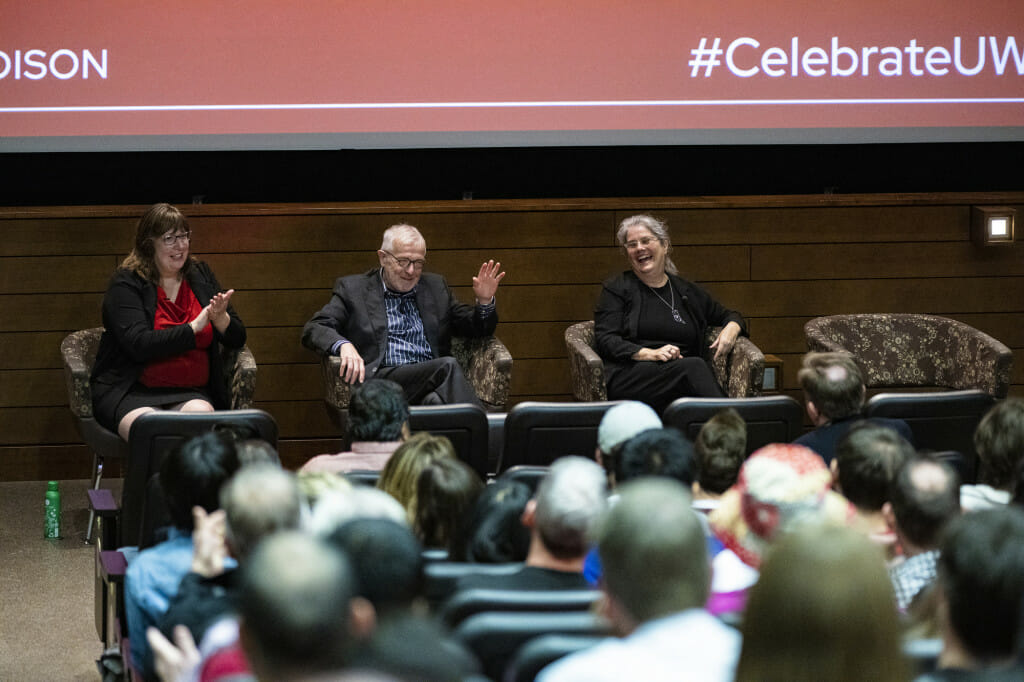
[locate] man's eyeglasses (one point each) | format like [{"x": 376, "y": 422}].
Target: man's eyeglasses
[
  {"x": 404, "y": 263},
  {"x": 643, "y": 241},
  {"x": 172, "y": 239}
]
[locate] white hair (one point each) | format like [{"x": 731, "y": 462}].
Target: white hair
[
  {"x": 335, "y": 508},
  {"x": 402, "y": 233},
  {"x": 569, "y": 499},
  {"x": 656, "y": 227}
]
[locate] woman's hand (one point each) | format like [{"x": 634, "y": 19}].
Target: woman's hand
[
  {"x": 201, "y": 320},
  {"x": 726, "y": 340},
  {"x": 219, "y": 310},
  {"x": 663, "y": 354}
]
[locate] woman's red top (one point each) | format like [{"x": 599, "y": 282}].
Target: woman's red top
[{"x": 191, "y": 368}]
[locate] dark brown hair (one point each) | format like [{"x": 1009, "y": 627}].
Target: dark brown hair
[{"x": 154, "y": 223}]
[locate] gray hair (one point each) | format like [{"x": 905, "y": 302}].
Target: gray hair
[
  {"x": 569, "y": 500},
  {"x": 403, "y": 233},
  {"x": 258, "y": 500},
  {"x": 335, "y": 508},
  {"x": 656, "y": 227},
  {"x": 653, "y": 550}
]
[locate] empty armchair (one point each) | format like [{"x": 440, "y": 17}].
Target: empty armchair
[
  {"x": 896, "y": 350},
  {"x": 740, "y": 374}
]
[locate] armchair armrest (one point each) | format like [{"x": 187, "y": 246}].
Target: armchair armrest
[
  {"x": 741, "y": 372},
  {"x": 487, "y": 364},
  {"x": 76, "y": 376},
  {"x": 241, "y": 375},
  {"x": 336, "y": 392},
  {"x": 991, "y": 365},
  {"x": 586, "y": 368}
]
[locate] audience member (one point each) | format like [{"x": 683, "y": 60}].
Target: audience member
[
  {"x": 300, "y": 613},
  {"x": 378, "y": 422},
  {"x": 834, "y": 391},
  {"x": 620, "y": 423},
  {"x": 980, "y": 587},
  {"x": 656, "y": 580},
  {"x": 445, "y": 491},
  {"x": 999, "y": 442},
  {"x": 779, "y": 487},
  {"x": 337, "y": 507},
  {"x": 191, "y": 475},
  {"x": 258, "y": 500},
  {"x": 656, "y": 452},
  {"x": 863, "y": 471},
  {"x": 493, "y": 532},
  {"x": 388, "y": 564},
  {"x": 568, "y": 500},
  {"x": 721, "y": 447},
  {"x": 822, "y": 610},
  {"x": 923, "y": 500},
  {"x": 401, "y": 474}
]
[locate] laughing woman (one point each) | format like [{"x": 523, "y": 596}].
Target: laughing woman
[
  {"x": 164, "y": 318},
  {"x": 649, "y": 324}
]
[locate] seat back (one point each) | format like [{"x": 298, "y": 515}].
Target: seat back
[
  {"x": 495, "y": 636},
  {"x": 940, "y": 421},
  {"x": 538, "y": 433},
  {"x": 465, "y": 425},
  {"x": 440, "y": 577},
  {"x": 770, "y": 419},
  {"x": 528, "y": 475},
  {"x": 466, "y": 603},
  {"x": 540, "y": 652},
  {"x": 154, "y": 434},
  {"x": 367, "y": 477},
  {"x": 896, "y": 350}
]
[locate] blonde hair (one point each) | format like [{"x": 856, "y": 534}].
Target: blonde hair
[{"x": 401, "y": 474}]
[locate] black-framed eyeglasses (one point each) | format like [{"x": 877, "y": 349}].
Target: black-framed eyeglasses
[
  {"x": 172, "y": 239},
  {"x": 404, "y": 263}
]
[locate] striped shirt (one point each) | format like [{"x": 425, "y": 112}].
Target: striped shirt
[{"x": 407, "y": 342}]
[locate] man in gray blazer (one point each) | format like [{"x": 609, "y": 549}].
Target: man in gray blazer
[{"x": 396, "y": 322}]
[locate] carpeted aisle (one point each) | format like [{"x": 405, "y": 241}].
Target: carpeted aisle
[{"x": 47, "y": 631}]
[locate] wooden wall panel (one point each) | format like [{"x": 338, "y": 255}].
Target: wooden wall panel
[{"x": 780, "y": 260}]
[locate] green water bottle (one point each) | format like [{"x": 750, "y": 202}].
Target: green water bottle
[{"x": 52, "y": 506}]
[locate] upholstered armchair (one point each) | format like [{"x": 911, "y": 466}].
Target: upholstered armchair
[
  {"x": 740, "y": 373},
  {"x": 896, "y": 350},
  {"x": 485, "y": 361},
  {"x": 78, "y": 350}
]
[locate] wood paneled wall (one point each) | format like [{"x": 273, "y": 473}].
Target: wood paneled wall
[{"x": 780, "y": 260}]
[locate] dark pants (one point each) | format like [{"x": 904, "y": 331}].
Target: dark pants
[
  {"x": 435, "y": 382},
  {"x": 659, "y": 383}
]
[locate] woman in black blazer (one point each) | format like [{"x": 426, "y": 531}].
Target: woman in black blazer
[{"x": 165, "y": 318}]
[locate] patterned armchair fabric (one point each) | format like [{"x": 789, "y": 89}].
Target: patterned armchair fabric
[
  {"x": 740, "y": 373},
  {"x": 897, "y": 350},
  {"x": 485, "y": 361}
]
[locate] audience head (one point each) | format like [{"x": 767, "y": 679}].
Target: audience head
[
  {"x": 981, "y": 582},
  {"x": 999, "y": 442},
  {"x": 867, "y": 459},
  {"x": 446, "y": 489},
  {"x": 721, "y": 447},
  {"x": 159, "y": 220},
  {"x": 653, "y": 553},
  {"x": 833, "y": 385},
  {"x": 493, "y": 531},
  {"x": 315, "y": 484},
  {"x": 924, "y": 497},
  {"x": 258, "y": 500},
  {"x": 658, "y": 230},
  {"x": 377, "y": 411},
  {"x": 822, "y": 609},
  {"x": 401, "y": 474},
  {"x": 298, "y": 608},
  {"x": 192, "y": 473},
  {"x": 779, "y": 488},
  {"x": 337, "y": 507},
  {"x": 387, "y": 560},
  {"x": 257, "y": 451},
  {"x": 620, "y": 423},
  {"x": 656, "y": 452},
  {"x": 568, "y": 501}
]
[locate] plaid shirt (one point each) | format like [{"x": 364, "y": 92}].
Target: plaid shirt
[{"x": 911, "y": 576}]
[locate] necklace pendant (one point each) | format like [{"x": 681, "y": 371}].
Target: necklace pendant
[{"x": 677, "y": 317}]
